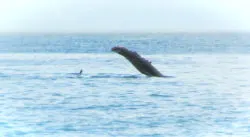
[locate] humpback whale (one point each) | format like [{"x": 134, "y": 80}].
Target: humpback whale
[{"x": 141, "y": 64}]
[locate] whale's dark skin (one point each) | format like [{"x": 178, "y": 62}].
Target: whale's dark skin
[{"x": 141, "y": 64}]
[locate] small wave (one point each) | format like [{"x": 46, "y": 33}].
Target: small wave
[
  {"x": 74, "y": 75},
  {"x": 56, "y": 76},
  {"x": 4, "y": 75},
  {"x": 161, "y": 96},
  {"x": 110, "y": 75},
  {"x": 98, "y": 107}
]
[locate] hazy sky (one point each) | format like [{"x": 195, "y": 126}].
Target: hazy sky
[{"x": 124, "y": 15}]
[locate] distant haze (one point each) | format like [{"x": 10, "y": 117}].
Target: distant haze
[{"x": 124, "y": 15}]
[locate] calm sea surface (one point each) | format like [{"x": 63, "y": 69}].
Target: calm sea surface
[{"x": 42, "y": 94}]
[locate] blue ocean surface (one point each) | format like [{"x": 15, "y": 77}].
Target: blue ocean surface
[{"x": 43, "y": 95}]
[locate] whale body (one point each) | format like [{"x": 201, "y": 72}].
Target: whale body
[{"x": 141, "y": 64}]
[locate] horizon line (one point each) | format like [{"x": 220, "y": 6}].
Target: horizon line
[{"x": 123, "y": 32}]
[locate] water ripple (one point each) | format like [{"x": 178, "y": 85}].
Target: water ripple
[{"x": 205, "y": 98}]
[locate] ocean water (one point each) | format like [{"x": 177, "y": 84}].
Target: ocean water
[{"x": 43, "y": 95}]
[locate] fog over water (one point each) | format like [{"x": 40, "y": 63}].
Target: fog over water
[{"x": 124, "y": 16}]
